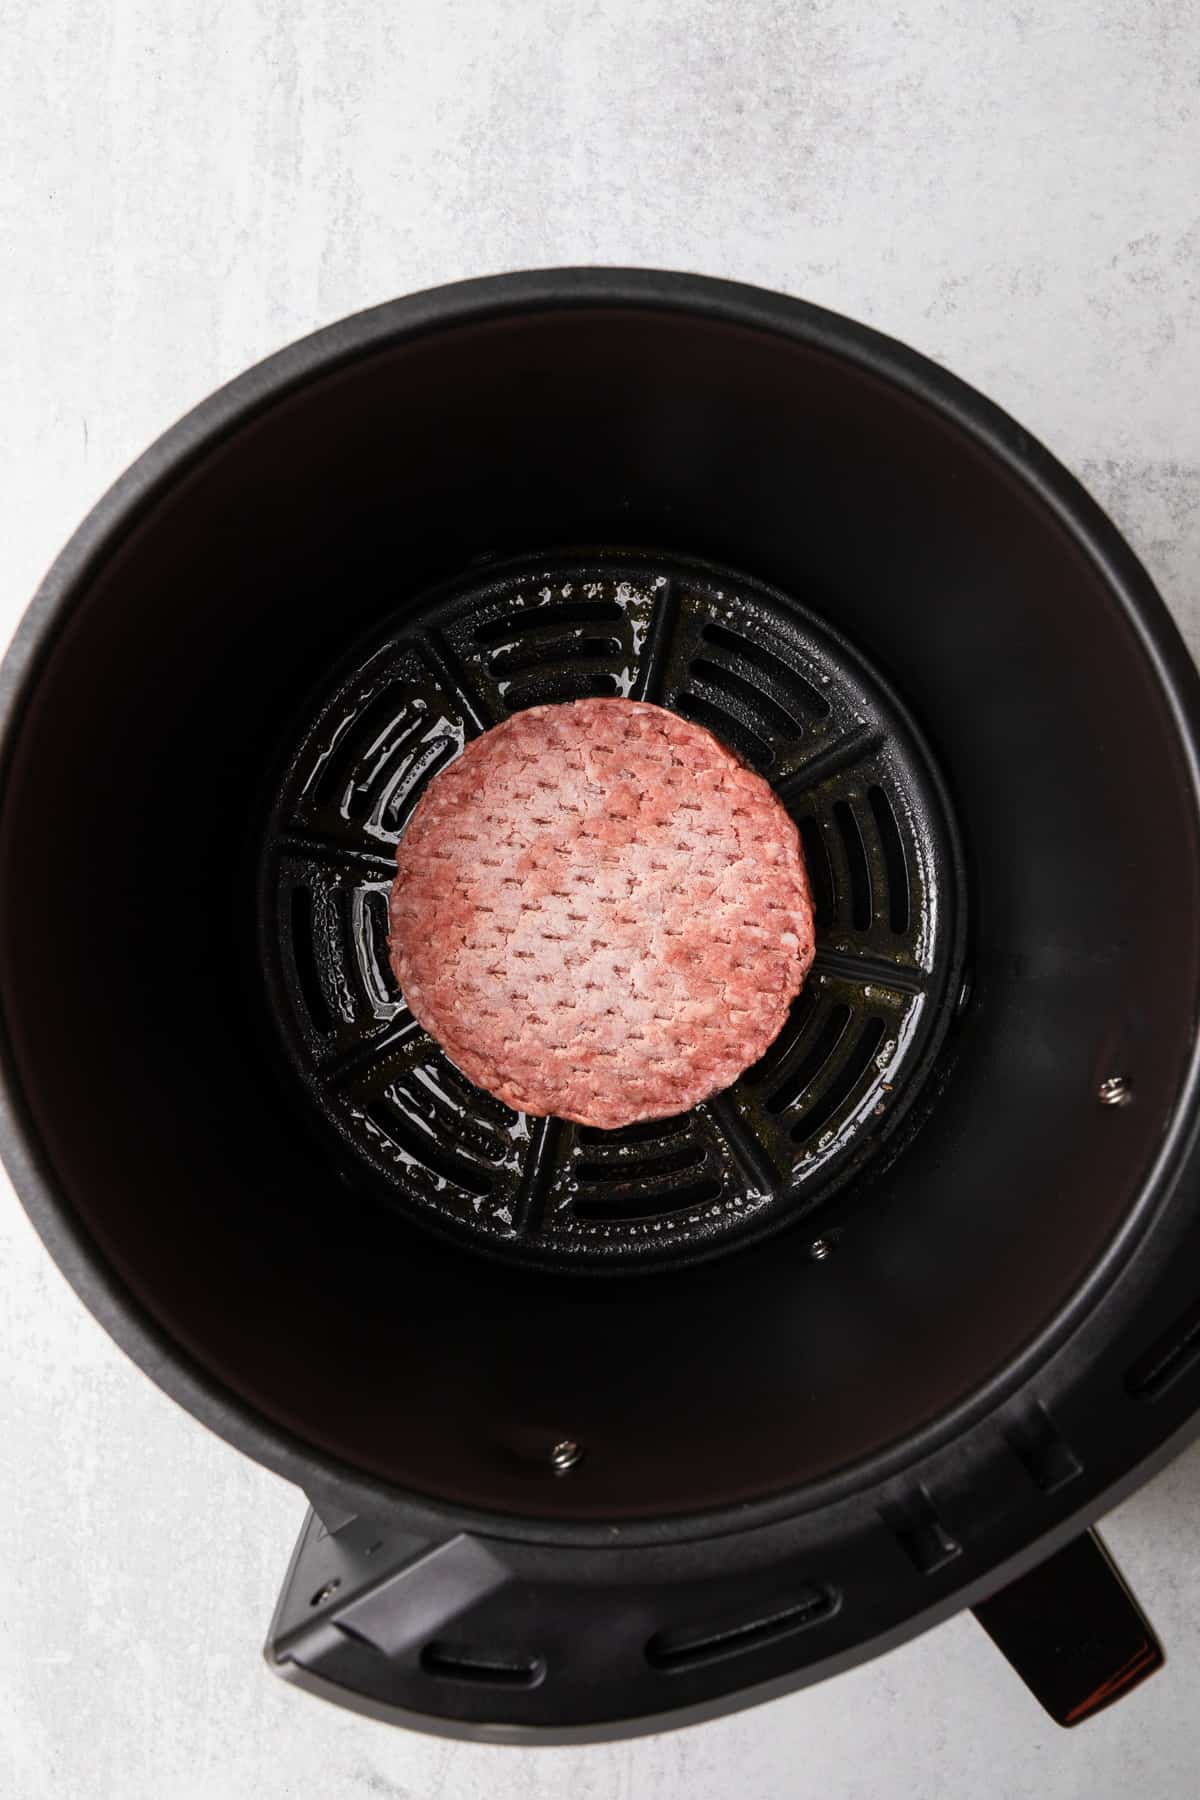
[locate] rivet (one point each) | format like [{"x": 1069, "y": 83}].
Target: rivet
[
  {"x": 1115, "y": 1091},
  {"x": 565, "y": 1455},
  {"x": 819, "y": 1249}
]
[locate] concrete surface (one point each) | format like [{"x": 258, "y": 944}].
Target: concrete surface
[{"x": 184, "y": 188}]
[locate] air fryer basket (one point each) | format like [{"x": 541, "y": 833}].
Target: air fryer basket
[{"x": 877, "y": 1330}]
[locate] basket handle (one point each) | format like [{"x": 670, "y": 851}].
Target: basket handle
[{"x": 1073, "y": 1631}]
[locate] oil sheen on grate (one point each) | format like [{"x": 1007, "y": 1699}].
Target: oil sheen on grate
[{"x": 796, "y": 704}]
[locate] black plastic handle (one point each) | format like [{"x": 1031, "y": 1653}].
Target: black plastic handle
[
  {"x": 1073, "y": 1632},
  {"x": 451, "y": 1636}
]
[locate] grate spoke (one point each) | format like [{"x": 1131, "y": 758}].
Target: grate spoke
[
  {"x": 352, "y": 857},
  {"x": 657, "y": 646},
  {"x": 449, "y": 673},
  {"x": 870, "y": 971},
  {"x": 836, "y": 759},
  {"x": 549, "y": 1144}
]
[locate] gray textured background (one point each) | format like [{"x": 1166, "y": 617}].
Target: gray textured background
[{"x": 183, "y": 189}]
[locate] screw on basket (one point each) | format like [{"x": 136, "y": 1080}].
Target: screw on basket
[
  {"x": 1115, "y": 1091},
  {"x": 819, "y": 1249},
  {"x": 564, "y": 1456}
]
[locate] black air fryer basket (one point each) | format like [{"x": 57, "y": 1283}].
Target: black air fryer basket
[{"x": 608, "y": 1430}]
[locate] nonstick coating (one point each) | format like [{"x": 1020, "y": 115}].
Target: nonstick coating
[{"x": 189, "y": 1188}]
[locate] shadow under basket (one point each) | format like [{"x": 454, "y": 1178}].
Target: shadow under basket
[{"x": 605, "y": 1431}]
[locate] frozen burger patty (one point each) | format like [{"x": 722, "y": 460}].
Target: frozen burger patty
[{"x": 599, "y": 913}]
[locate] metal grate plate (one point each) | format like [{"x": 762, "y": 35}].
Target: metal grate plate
[{"x": 795, "y": 703}]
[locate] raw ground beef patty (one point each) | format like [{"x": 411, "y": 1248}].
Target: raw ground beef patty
[{"x": 600, "y": 913}]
